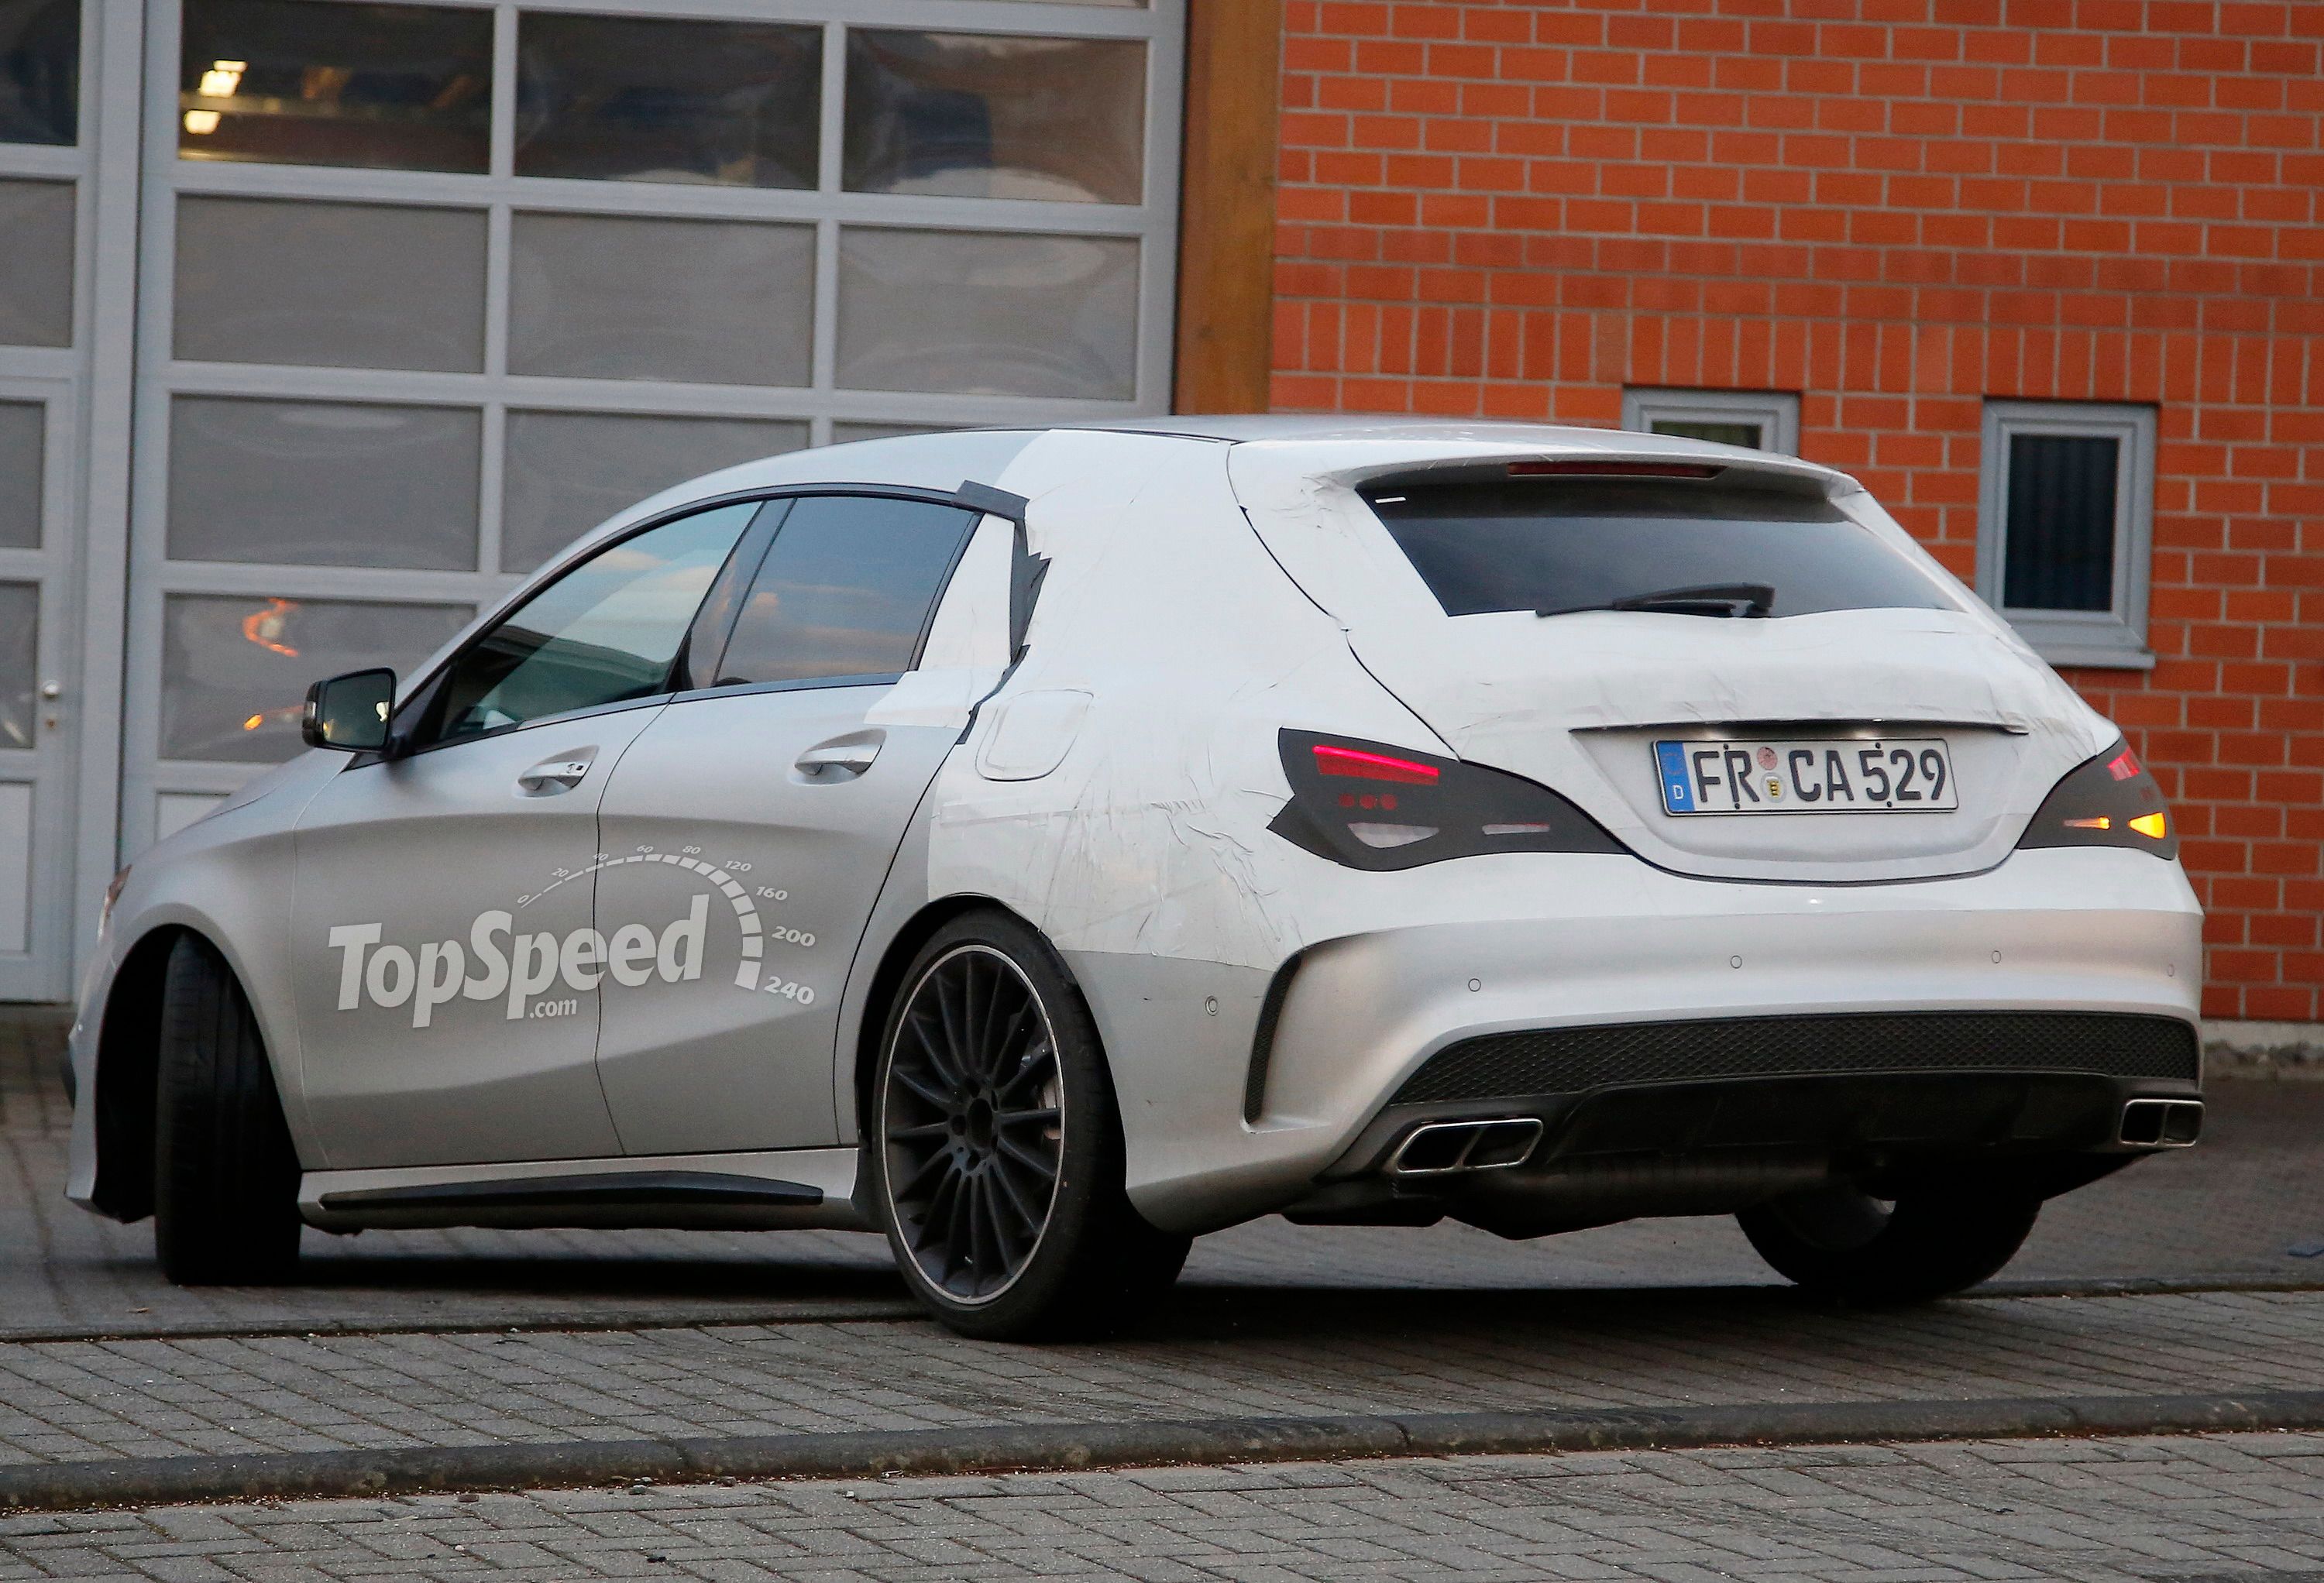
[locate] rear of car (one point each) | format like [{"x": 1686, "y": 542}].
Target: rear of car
[{"x": 1752, "y": 863}]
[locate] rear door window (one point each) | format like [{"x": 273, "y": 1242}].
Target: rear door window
[
  {"x": 1567, "y": 544},
  {"x": 846, "y": 590}
]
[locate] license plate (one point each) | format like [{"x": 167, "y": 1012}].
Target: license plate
[{"x": 1895, "y": 775}]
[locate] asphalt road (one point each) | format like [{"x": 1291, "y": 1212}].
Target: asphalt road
[{"x": 2246, "y": 1207}]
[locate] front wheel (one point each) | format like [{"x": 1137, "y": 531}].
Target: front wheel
[
  {"x": 1931, "y": 1240},
  {"x": 995, "y": 1145},
  {"x": 225, "y": 1177}
]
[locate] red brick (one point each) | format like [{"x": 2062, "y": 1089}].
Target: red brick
[{"x": 1898, "y": 208}]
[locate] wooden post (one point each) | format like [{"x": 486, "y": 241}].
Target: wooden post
[{"x": 1226, "y": 207}]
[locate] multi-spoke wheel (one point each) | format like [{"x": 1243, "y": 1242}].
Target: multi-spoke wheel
[
  {"x": 1933, "y": 1238},
  {"x": 997, "y": 1147},
  {"x": 974, "y": 1124}
]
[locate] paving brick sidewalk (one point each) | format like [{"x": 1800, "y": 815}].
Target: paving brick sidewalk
[
  {"x": 1272, "y": 1356},
  {"x": 2189, "y": 1510},
  {"x": 2235, "y": 1208}
]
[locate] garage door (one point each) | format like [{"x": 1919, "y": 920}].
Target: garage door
[{"x": 425, "y": 291}]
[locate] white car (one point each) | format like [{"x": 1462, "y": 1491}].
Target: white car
[{"x": 1045, "y": 846}]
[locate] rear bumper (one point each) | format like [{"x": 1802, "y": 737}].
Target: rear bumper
[{"x": 1476, "y": 950}]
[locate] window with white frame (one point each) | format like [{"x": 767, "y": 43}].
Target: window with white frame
[
  {"x": 1760, "y": 421},
  {"x": 2064, "y": 540}
]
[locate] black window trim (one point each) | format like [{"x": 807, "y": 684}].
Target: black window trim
[{"x": 981, "y": 498}]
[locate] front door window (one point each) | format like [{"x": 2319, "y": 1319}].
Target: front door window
[{"x": 606, "y": 632}]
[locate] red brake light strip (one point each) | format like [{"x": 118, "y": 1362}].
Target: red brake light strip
[{"x": 1363, "y": 766}]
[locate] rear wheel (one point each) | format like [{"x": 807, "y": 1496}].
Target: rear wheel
[
  {"x": 225, "y": 1177},
  {"x": 997, "y": 1166},
  {"x": 1932, "y": 1239}
]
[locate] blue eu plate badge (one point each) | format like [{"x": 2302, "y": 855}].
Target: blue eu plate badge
[{"x": 1678, "y": 797}]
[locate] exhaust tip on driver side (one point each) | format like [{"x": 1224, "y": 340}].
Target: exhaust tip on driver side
[
  {"x": 2161, "y": 1124},
  {"x": 1444, "y": 1147}
]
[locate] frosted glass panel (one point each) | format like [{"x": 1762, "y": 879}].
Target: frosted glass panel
[
  {"x": 341, "y": 285},
  {"x": 36, "y": 240},
  {"x": 15, "y": 865},
  {"x": 323, "y": 484},
  {"x": 990, "y": 116},
  {"x": 20, "y": 659},
  {"x": 23, "y": 474},
  {"x": 40, "y": 70},
  {"x": 984, "y": 313},
  {"x": 570, "y": 471},
  {"x": 174, "y": 811},
  {"x": 715, "y": 302},
  {"x": 653, "y": 100},
  {"x": 235, "y": 671},
  {"x": 292, "y": 82},
  {"x": 842, "y": 433}
]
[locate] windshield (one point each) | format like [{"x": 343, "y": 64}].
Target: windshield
[{"x": 1568, "y": 544}]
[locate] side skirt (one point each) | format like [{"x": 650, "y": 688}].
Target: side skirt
[{"x": 771, "y": 1191}]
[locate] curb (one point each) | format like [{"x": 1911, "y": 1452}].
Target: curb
[
  {"x": 1067, "y": 1446},
  {"x": 798, "y": 1311}
]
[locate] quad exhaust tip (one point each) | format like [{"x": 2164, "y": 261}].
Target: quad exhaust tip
[
  {"x": 2161, "y": 1124},
  {"x": 1444, "y": 1147}
]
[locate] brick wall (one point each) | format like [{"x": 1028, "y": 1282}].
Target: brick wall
[{"x": 1898, "y": 209}]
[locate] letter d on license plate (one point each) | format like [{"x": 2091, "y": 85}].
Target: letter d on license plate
[{"x": 1717, "y": 775}]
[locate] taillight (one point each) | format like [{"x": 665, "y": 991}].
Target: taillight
[
  {"x": 1373, "y": 806},
  {"x": 2110, "y": 801}
]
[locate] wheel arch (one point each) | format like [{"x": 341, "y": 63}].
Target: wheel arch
[
  {"x": 887, "y": 981},
  {"x": 128, "y": 1049}
]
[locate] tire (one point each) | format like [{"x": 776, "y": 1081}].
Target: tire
[
  {"x": 1932, "y": 1240},
  {"x": 225, "y": 1177},
  {"x": 995, "y": 1145}
]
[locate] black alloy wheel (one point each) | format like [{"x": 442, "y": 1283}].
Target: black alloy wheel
[
  {"x": 995, "y": 1147},
  {"x": 974, "y": 1123}
]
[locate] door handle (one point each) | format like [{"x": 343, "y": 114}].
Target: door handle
[
  {"x": 841, "y": 761},
  {"x": 557, "y": 775}
]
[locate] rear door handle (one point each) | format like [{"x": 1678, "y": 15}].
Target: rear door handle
[
  {"x": 555, "y": 775},
  {"x": 838, "y": 760}
]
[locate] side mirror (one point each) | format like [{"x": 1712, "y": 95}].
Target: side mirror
[{"x": 348, "y": 713}]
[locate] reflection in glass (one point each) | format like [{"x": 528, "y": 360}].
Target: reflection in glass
[
  {"x": 22, "y": 474},
  {"x": 714, "y": 301},
  {"x": 323, "y": 484},
  {"x": 40, "y": 70},
  {"x": 845, "y": 590},
  {"x": 235, "y": 670},
  {"x": 36, "y": 247},
  {"x": 604, "y": 633},
  {"x": 335, "y": 285},
  {"x": 570, "y": 471},
  {"x": 984, "y": 313},
  {"x": 20, "y": 659},
  {"x": 1745, "y": 435},
  {"x": 647, "y": 99},
  {"x": 992, "y": 115},
  {"x": 2057, "y": 540},
  {"x": 292, "y": 82}
]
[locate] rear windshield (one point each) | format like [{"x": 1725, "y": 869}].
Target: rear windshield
[{"x": 1562, "y": 544}]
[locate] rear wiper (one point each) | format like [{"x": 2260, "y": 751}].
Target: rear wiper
[{"x": 1705, "y": 599}]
